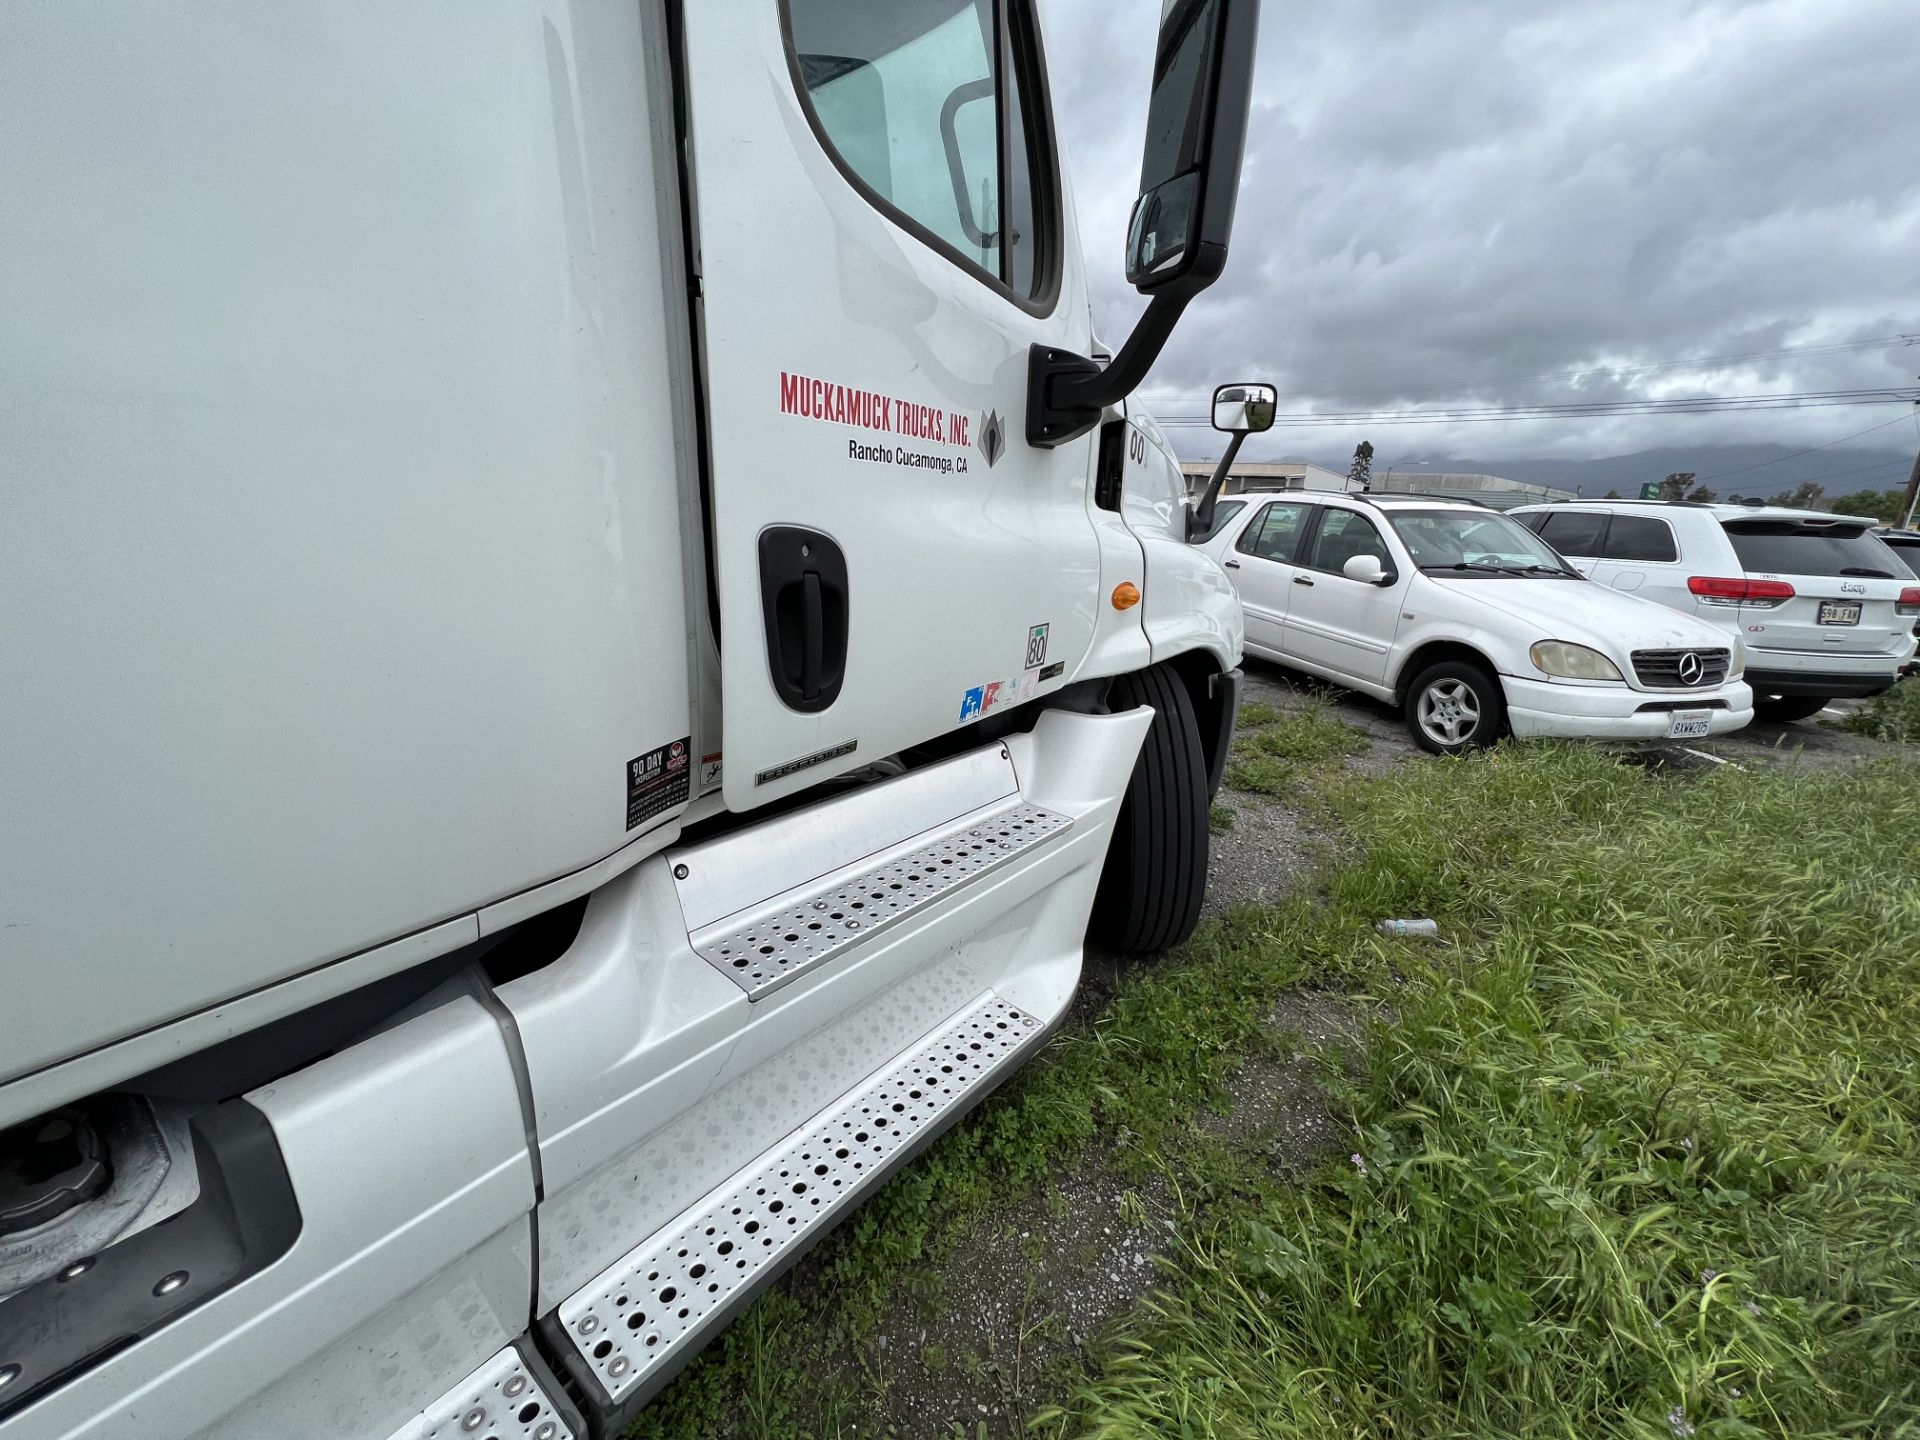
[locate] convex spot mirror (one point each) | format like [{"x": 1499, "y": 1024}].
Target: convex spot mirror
[
  {"x": 1244, "y": 409},
  {"x": 1190, "y": 171}
]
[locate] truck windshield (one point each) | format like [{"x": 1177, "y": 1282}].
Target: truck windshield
[
  {"x": 1473, "y": 541},
  {"x": 1784, "y": 547}
]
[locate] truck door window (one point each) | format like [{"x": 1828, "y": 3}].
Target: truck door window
[{"x": 921, "y": 102}]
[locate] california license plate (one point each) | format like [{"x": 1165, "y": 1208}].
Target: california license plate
[
  {"x": 1839, "y": 612},
  {"x": 1688, "y": 724}
]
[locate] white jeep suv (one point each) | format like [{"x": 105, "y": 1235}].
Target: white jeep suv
[
  {"x": 1464, "y": 618},
  {"x": 1825, "y": 607}
]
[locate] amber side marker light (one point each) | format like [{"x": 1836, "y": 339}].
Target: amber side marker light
[{"x": 1126, "y": 595}]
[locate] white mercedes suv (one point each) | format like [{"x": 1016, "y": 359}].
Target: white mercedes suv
[
  {"x": 1825, "y": 606},
  {"x": 1470, "y": 623}
]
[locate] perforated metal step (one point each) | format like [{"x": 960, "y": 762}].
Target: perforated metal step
[
  {"x": 502, "y": 1400},
  {"x": 664, "y": 1297},
  {"x": 805, "y": 929}
]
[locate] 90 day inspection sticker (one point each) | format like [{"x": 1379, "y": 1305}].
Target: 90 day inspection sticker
[{"x": 657, "y": 781}]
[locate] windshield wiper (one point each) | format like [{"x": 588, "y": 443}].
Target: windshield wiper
[
  {"x": 1553, "y": 570},
  {"x": 1865, "y": 573},
  {"x": 1480, "y": 567}
]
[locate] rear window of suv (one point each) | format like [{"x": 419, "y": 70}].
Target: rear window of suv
[{"x": 1785, "y": 548}]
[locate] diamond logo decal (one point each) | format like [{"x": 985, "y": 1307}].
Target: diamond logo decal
[{"x": 993, "y": 437}]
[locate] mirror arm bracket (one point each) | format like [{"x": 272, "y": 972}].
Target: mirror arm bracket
[
  {"x": 1066, "y": 393},
  {"x": 1200, "y": 517}
]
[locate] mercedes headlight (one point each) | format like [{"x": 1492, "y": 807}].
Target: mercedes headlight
[{"x": 1568, "y": 661}]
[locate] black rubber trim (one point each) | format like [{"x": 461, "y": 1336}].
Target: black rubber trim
[
  {"x": 1854, "y": 685},
  {"x": 1156, "y": 870},
  {"x": 564, "y": 1400},
  {"x": 609, "y": 1422},
  {"x": 1227, "y": 687},
  {"x": 1659, "y": 706},
  {"x": 1111, "y": 464}
]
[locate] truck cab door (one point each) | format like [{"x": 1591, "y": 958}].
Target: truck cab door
[{"x": 881, "y": 235}]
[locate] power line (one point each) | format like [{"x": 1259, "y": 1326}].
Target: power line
[
  {"x": 1694, "y": 405},
  {"x": 1699, "y": 363},
  {"x": 1761, "y": 465}
]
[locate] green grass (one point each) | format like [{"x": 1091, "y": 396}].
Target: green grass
[
  {"x": 1892, "y": 716},
  {"x": 1269, "y": 760},
  {"x": 1638, "y": 1158},
  {"x": 1257, "y": 713},
  {"x": 1220, "y": 819},
  {"x": 1642, "y": 1142}
]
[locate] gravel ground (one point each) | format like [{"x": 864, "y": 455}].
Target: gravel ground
[{"x": 1018, "y": 1301}]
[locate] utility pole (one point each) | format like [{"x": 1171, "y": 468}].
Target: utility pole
[{"x": 1913, "y": 490}]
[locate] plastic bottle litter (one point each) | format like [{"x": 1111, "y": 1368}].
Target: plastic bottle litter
[{"x": 1424, "y": 929}]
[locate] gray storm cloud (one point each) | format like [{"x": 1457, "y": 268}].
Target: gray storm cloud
[{"x": 1443, "y": 202}]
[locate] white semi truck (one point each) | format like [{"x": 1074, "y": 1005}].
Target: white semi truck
[{"x": 585, "y": 634}]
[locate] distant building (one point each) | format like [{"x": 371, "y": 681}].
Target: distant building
[
  {"x": 1264, "y": 475},
  {"x": 1259, "y": 475},
  {"x": 1494, "y": 490}
]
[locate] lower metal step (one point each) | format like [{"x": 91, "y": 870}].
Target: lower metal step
[
  {"x": 660, "y": 1302},
  {"x": 505, "y": 1399}
]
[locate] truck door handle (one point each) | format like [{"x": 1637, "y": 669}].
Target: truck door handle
[
  {"x": 813, "y": 643},
  {"x": 1233, "y": 564},
  {"x": 1301, "y": 580},
  {"x": 805, "y": 606}
]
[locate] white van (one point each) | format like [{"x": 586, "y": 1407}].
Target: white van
[
  {"x": 1825, "y": 607},
  {"x": 586, "y": 633}
]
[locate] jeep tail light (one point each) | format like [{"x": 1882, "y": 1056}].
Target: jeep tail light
[
  {"x": 1717, "y": 591},
  {"x": 1909, "y": 601}
]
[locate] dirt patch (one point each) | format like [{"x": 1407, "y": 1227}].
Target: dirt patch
[
  {"x": 1016, "y": 1304},
  {"x": 1817, "y": 743},
  {"x": 1276, "y": 1104},
  {"x": 1015, "y": 1309}
]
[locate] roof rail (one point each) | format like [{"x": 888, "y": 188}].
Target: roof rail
[
  {"x": 1372, "y": 496},
  {"x": 1632, "y": 500}
]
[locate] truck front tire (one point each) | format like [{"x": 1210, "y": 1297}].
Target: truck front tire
[{"x": 1156, "y": 870}]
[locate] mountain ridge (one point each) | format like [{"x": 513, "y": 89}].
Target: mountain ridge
[{"x": 1747, "y": 470}]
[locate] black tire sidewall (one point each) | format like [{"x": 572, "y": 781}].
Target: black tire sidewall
[
  {"x": 1493, "y": 706},
  {"x": 1155, "y": 875},
  {"x": 1786, "y": 709}
]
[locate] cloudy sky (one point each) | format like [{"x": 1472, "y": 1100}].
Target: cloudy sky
[{"x": 1443, "y": 202}]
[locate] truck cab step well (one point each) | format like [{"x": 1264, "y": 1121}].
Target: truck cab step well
[
  {"x": 766, "y": 905},
  {"x": 809, "y": 926}
]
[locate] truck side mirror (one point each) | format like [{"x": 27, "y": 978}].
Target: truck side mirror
[
  {"x": 1190, "y": 171},
  {"x": 1241, "y": 410},
  {"x": 1177, "y": 239},
  {"x": 1244, "y": 409}
]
